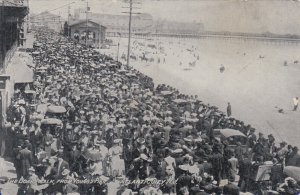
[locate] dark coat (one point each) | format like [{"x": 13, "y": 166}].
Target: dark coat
[
  {"x": 25, "y": 156},
  {"x": 59, "y": 169},
  {"x": 231, "y": 189}
]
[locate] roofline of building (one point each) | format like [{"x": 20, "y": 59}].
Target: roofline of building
[{"x": 84, "y": 21}]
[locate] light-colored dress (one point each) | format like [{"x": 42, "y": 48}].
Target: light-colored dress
[{"x": 117, "y": 164}]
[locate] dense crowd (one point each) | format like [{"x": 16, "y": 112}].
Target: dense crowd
[{"x": 87, "y": 117}]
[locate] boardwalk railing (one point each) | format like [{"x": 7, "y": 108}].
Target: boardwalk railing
[{"x": 217, "y": 35}]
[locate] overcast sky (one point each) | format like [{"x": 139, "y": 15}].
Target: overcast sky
[{"x": 279, "y": 16}]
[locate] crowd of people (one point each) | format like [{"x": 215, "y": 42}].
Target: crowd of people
[
  {"x": 87, "y": 117},
  {"x": 153, "y": 51}
]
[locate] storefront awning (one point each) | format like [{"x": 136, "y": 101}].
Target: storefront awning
[{"x": 19, "y": 70}]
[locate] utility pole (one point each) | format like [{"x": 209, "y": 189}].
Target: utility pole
[
  {"x": 129, "y": 33},
  {"x": 2, "y": 38},
  {"x": 69, "y": 12},
  {"x": 86, "y": 30},
  {"x": 118, "y": 51},
  {"x": 129, "y": 27}
]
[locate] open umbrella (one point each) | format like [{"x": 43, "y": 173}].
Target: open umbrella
[
  {"x": 130, "y": 75},
  {"x": 293, "y": 172},
  {"x": 41, "y": 71},
  {"x": 51, "y": 121},
  {"x": 165, "y": 93},
  {"x": 35, "y": 53},
  {"x": 42, "y": 68},
  {"x": 91, "y": 154},
  {"x": 30, "y": 92},
  {"x": 229, "y": 132},
  {"x": 56, "y": 109},
  {"x": 179, "y": 101}
]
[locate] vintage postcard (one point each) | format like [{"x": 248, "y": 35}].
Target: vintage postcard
[{"x": 149, "y": 97}]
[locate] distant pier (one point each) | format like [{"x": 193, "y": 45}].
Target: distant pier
[{"x": 242, "y": 37}]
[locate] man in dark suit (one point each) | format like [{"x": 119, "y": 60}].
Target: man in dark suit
[
  {"x": 25, "y": 156},
  {"x": 60, "y": 165},
  {"x": 231, "y": 188}
]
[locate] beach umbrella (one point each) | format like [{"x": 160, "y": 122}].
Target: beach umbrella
[{"x": 293, "y": 172}]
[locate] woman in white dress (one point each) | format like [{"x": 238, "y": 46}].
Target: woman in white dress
[{"x": 117, "y": 164}]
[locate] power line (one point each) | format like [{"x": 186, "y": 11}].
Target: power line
[{"x": 54, "y": 9}]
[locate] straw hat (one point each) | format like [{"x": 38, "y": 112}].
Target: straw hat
[
  {"x": 101, "y": 142},
  {"x": 65, "y": 172},
  {"x": 188, "y": 139},
  {"x": 21, "y": 102},
  {"x": 116, "y": 141},
  {"x": 31, "y": 169},
  {"x": 184, "y": 167},
  {"x": 145, "y": 157}
]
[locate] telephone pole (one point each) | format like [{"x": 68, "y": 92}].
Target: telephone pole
[
  {"x": 86, "y": 30},
  {"x": 69, "y": 12},
  {"x": 129, "y": 33},
  {"x": 129, "y": 28}
]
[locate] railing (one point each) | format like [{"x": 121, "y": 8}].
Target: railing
[{"x": 218, "y": 35}]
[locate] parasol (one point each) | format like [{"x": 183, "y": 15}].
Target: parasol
[
  {"x": 42, "y": 68},
  {"x": 130, "y": 75},
  {"x": 230, "y": 132},
  {"x": 35, "y": 53},
  {"x": 30, "y": 92},
  {"x": 56, "y": 109},
  {"x": 179, "y": 101},
  {"x": 93, "y": 155},
  {"x": 293, "y": 172},
  {"x": 41, "y": 71},
  {"x": 186, "y": 127},
  {"x": 51, "y": 121},
  {"x": 166, "y": 93}
]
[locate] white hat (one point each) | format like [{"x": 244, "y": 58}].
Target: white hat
[
  {"x": 21, "y": 101},
  {"x": 183, "y": 167},
  {"x": 145, "y": 157},
  {"x": 116, "y": 141},
  {"x": 290, "y": 179},
  {"x": 65, "y": 172},
  {"x": 31, "y": 169}
]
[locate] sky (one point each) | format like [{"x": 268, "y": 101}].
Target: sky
[{"x": 252, "y": 16}]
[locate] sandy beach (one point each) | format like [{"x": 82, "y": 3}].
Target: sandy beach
[{"x": 256, "y": 86}]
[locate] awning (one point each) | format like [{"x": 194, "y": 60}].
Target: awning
[{"x": 19, "y": 70}]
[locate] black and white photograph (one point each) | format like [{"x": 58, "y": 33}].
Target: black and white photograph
[{"x": 149, "y": 97}]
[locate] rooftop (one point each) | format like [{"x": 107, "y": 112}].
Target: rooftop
[{"x": 14, "y": 3}]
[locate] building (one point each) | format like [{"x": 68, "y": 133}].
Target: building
[
  {"x": 141, "y": 23},
  {"x": 48, "y": 20},
  {"x": 12, "y": 18},
  {"x": 87, "y": 32},
  {"x": 13, "y": 30},
  {"x": 172, "y": 27}
]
